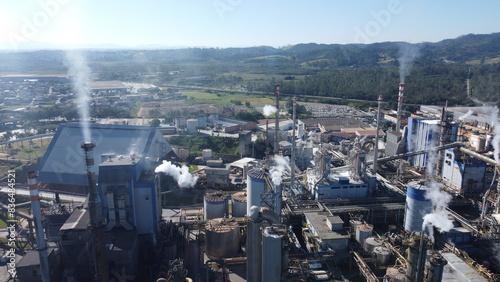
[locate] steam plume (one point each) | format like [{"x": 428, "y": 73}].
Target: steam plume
[
  {"x": 469, "y": 112},
  {"x": 269, "y": 110},
  {"x": 280, "y": 166},
  {"x": 79, "y": 71},
  {"x": 180, "y": 174},
  {"x": 439, "y": 217},
  {"x": 407, "y": 55}
]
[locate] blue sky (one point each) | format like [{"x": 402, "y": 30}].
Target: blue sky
[{"x": 240, "y": 23}]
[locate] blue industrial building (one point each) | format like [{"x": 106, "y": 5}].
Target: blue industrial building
[
  {"x": 424, "y": 133},
  {"x": 465, "y": 176},
  {"x": 129, "y": 193}
]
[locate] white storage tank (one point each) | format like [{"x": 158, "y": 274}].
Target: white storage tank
[
  {"x": 382, "y": 255},
  {"x": 214, "y": 205},
  {"x": 416, "y": 207},
  {"x": 353, "y": 223},
  {"x": 222, "y": 237},
  {"x": 239, "y": 204},
  {"x": 371, "y": 243},
  {"x": 255, "y": 188},
  {"x": 363, "y": 231},
  {"x": 395, "y": 274}
]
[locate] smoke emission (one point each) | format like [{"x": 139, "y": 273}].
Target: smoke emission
[
  {"x": 469, "y": 112},
  {"x": 79, "y": 71},
  {"x": 407, "y": 55},
  {"x": 280, "y": 166},
  {"x": 269, "y": 110},
  {"x": 180, "y": 174},
  {"x": 439, "y": 217}
]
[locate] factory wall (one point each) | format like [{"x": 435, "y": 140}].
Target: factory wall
[
  {"x": 341, "y": 191},
  {"x": 463, "y": 177}
]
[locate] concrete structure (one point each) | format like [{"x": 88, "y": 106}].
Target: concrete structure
[
  {"x": 217, "y": 174},
  {"x": 330, "y": 239}
]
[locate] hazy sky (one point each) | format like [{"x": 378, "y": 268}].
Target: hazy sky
[{"x": 240, "y": 23}]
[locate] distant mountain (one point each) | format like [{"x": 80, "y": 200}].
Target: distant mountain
[{"x": 361, "y": 71}]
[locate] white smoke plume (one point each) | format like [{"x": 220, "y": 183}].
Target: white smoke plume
[
  {"x": 280, "y": 166},
  {"x": 469, "y": 112},
  {"x": 496, "y": 140},
  {"x": 269, "y": 110},
  {"x": 180, "y": 174},
  {"x": 79, "y": 72},
  {"x": 407, "y": 55},
  {"x": 439, "y": 217}
]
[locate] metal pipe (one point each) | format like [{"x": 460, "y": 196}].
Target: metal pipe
[{"x": 40, "y": 237}]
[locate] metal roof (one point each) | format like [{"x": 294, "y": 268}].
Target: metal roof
[{"x": 63, "y": 162}]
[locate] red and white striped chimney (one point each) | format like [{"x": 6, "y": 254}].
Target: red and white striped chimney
[{"x": 37, "y": 216}]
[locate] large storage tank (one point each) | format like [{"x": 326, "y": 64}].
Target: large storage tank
[
  {"x": 222, "y": 237},
  {"x": 363, "y": 231},
  {"x": 395, "y": 274},
  {"x": 213, "y": 204},
  {"x": 272, "y": 243},
  {"x": 255, "y": 188},
  {"x": 239, "y": 204},
  {"x": 382, "y": 255},
  {"x": 371, "y": 243},
  {"x": 416, "y": 207},
  {"x": 353, "y": 223}
]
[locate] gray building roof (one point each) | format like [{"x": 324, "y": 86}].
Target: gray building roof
[{"x": 63, "y": 162}]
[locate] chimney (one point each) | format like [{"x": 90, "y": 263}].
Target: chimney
[
  {"x": 277, "y": 120},
  {"x": 400, "y": 106},
  {"x": 40, "y": 236},
  {"x": 96, "y": 225}
]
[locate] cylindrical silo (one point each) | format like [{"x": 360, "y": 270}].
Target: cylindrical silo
[
  {"x": 255, "y": 188},
  {"x": 353, "y": 223},
  {"x": 272, "y": 242},
  {"x": 371, "y": 243},
  {"x": 213, "y": 204},
  {"x": 416, "y": 207},
  {"x": 239, "y": 204},
  {"x": 222, "y": 238},
  {"x": 382, "y": 255},
  {"x": 363, "y": 231},
  {"x": 395, "y": 274},
  {"x": 436, "y": 267}
]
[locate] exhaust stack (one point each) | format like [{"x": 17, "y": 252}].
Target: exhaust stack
[
  {"x": 40, "y": 236},
  {"x": 96, "y": 225},
  {"x": 277, "y": 120},
  {"x": 400, "y": 106}
]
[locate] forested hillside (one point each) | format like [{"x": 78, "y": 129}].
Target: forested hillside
[{"x": 438, "y": 74}]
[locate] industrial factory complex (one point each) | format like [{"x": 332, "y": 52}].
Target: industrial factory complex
[{"x": 335, "y": 198}]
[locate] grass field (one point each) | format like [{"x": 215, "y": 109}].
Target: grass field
[
  {"x": 226, "y": 98},
  {"x": 25, "y": 150}
]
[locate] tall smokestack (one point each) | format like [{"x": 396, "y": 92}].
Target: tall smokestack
[
  {"x": 277, "y": 121},
  {"x": 37, "y": 215},
  {"x": 400, "y": 106},
  {"x": 292, "y": 162},
  {"x": 375, "y": 156},
  {"x": 96, "y": 225}
]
